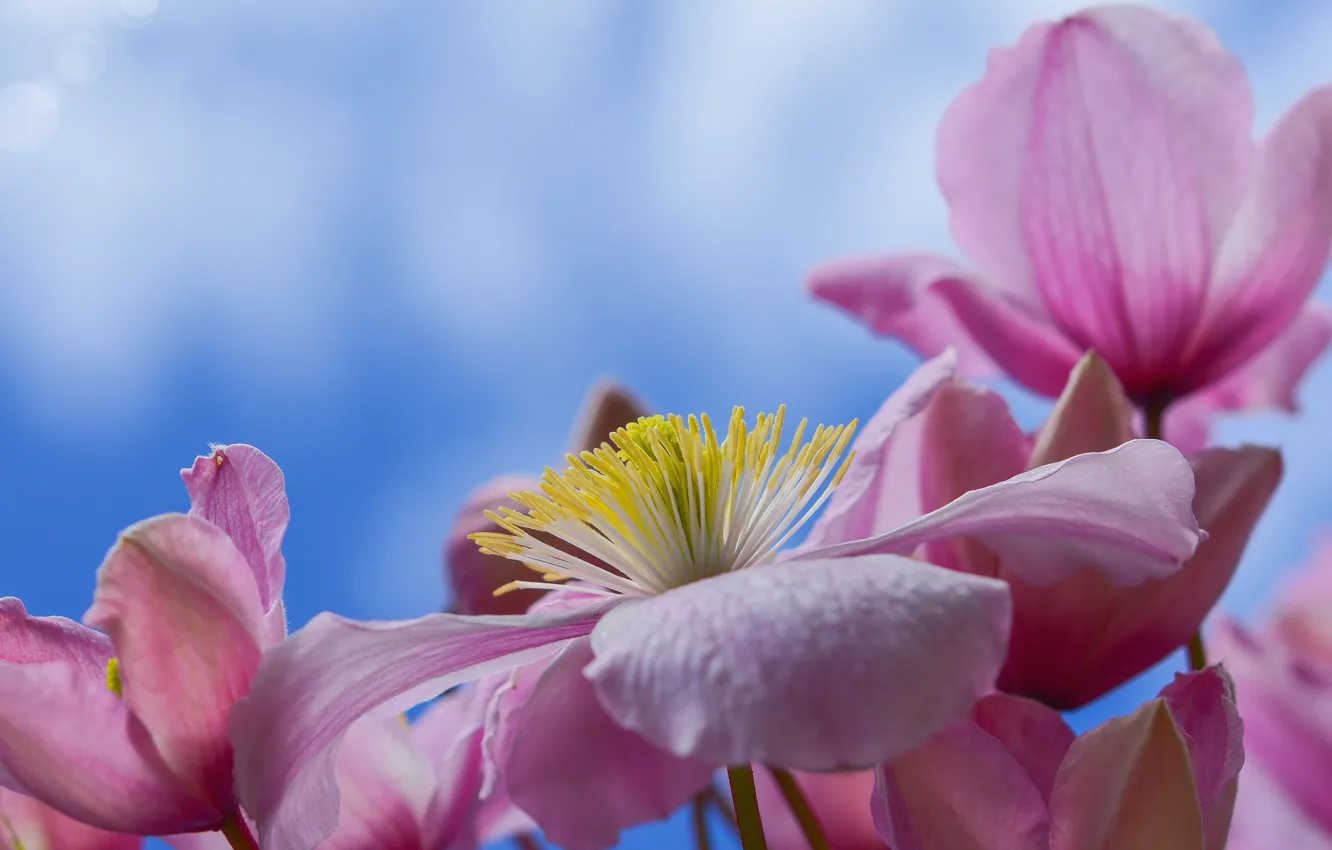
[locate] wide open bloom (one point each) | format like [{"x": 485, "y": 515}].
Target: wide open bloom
[
  {"x": 125, "y": 728},
  {"x": 1078, "y": 634},
  {"x": 691, "y": 637},
  {"x": 1015, "y": 777},
  {"x": 1102, "y": 178},
  {"x": 473, "y": 575},
  {"x": 27, "y": 824},
  {"x": 1284, "y": 675}
]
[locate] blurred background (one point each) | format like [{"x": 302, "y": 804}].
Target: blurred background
[{"x": 393, "y": 242}]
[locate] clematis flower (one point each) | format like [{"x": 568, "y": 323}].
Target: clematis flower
[
  {"x": 26, "y": 824},
  {"x": 125, "y": 728},
  {"x": 1014, "y": 776},
  {"x": 1076, "y": 633},
  {"x": 1284, "y": 675},
  {"x": 1102, "y": 178},
  {"x": 475, "y": 576},
  {"x": 694, "y": 638}
]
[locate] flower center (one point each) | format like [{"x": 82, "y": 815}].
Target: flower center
[{"x": 669, "y": 504}]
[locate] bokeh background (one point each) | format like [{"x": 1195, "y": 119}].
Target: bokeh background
[{"x": 393, "y": 242}]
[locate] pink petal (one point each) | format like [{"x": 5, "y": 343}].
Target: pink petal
[
  {"x": 840, "y": 801},
  {"x": 1267, "y": 381},
  {"x": 241, "y": 491},
  {"x": 1203, "y": 706},
  {"x": 1091, "y": 415},
  {"x": 25, "y": 639},
  {"x": 475, "y": 577},
  {"x": 1126, "y": 512},
  {"x": 315, "y": 684},
  {"x": 871, "y": 497},
  {"x": 1075, "y": 640},
  {"x": 1036, "y": 736},
  {"x": 73, "y": 744},
  {"x": 811, "y": 664},
  {"x": 385, "y": 786},
  {"x": 607, "y": 406},
  {"x": 962, "y": 790},
  {"x": 1265, "y": 818},
  {"x": 1277, "y": 245},
  {"x": 551, "y": 728},
  {"x": 26, "y": 823},
  {"x": 1127, "y": 783},
  {"x": 931, "y": 303},
  {"x": 181, "y": 607}
]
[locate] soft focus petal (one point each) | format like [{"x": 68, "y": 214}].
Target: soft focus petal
[
  {"x": 608, "y": 406},
  {"x": 809, "y": 664},
  {"x": 180, "y": 604},
  {"x": 1075, "y": 640},
  {"x": 551, "y": 728},
  {"x": 1036, "y": 736},
  {"x": 840, "y": 801},
  {"x": 26, "y": 824},
  {"x": 1203, "y": 705},
  {"x": 474, "y": 576},
  {"x": 962, "y": 790},
  {"x": 1127, "y": 784},
  {"x": 1268, "y": 381},
  {"x": 871, "y": 496},
  {"x": 315, "y": 684},
  {"x": 1126, "y": 512},
  {"x": 1161, "y": 85},
  {"x": 1091, "y": 415},
  {"x": 1277, "y": 245},
  {"x": 385, "y": 786},
  {"x": 1266, "y": 819},
  {"x": 931, "y": 304},
  {"x": 241, "y": 490}
]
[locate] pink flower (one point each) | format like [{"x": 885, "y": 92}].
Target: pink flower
[
  {"x": 125, "y": 728},
  {"x": 1103, "y": 179},
  {"x": 475, "y": 576},
  {"x": 697, "y": 642},
  {"x": 1284, "y": 676},
  {"x": 1015, "y": 777},
  {"x": 1077, "y": 633},
  {"x": 26, "y": 824},
  {"x": 840, "y": 802}
]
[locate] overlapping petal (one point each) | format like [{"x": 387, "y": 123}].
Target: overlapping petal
[{"x": 26, "y": 824}]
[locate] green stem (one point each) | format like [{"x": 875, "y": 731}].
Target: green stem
[
  {"x": 238, "y": 834},
  {"x": 699, "y": 809},
  {"x": 1197, "y": 655},
  {"x": 747, "y": 818},
  {"x": 803, "y": 811}
]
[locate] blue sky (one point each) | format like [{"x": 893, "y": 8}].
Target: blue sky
[{"x": 391, "y": 243}]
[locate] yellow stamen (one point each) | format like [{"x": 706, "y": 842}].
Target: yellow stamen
[
  {"x": 668, "y": 503},
  {"x": 113, "y": 683}
]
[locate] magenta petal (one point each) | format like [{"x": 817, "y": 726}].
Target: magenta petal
[
  {"x": 1036, "y": 736},
  {"x": 474, "y": 577},
  {"x": 961, "y": 790},
  {"x": 241, "y": 490},
  {"x": 1203, "y": 706},
  {"x": 1266, "y": 819},
  {"x": 313, "y": 685},
  {"x": 26, "y": 824},
  {"x": 25, "y": 639},
  {"x": 183, "y": 612},
  {"x": 839, "y": 800},
  {"x": 385, "y": 788},
  {"x": 552, "y": 728},
  {"x": 1277, "y": 245},
  {"x": 607, "y": 406},
  {"x": 1126, "y": 512},
  {"x": 811, "y": 665}
]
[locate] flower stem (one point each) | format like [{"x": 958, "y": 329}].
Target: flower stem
[
  {"x": 800, "y": 807},
  {"x": 745, "y": 797},
  {"x": 699, "y": 810},
  {"x": 1197, "y": 654},
  {"x": 714, "y": 798},
  {"x": 238, "y": 834}
]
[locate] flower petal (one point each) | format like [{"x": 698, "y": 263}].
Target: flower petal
[
  {"x": 1277, "y": 246},
  {"x": 1126, "y": 512},
  {"x": 607, "y": 406},
  {"x": 26, "y": 823},
  {"x": 551, "y": 728},
  {"x": 473, "y": 576},
  {"x": 313, "y": 685},
  {"x": 1127, "y": 783},
  {"x": 1075, "y": 640},
  {"x": 1036, "y": 736},
  {"x": 839, "y": 800},
  {"x": 1265, "y": 818},
  {"x": 961, "y": 790},
  {"x": 1091, "y": 415},
  {"x": 808, "y": 664},
  {"x": 1203, "y": 705},
  {"x": 241, "y": 490},
  {"x": 931, "y": 303},
  {"x": 385, "y": 786},
  {"x": 180, "y": 604}
]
